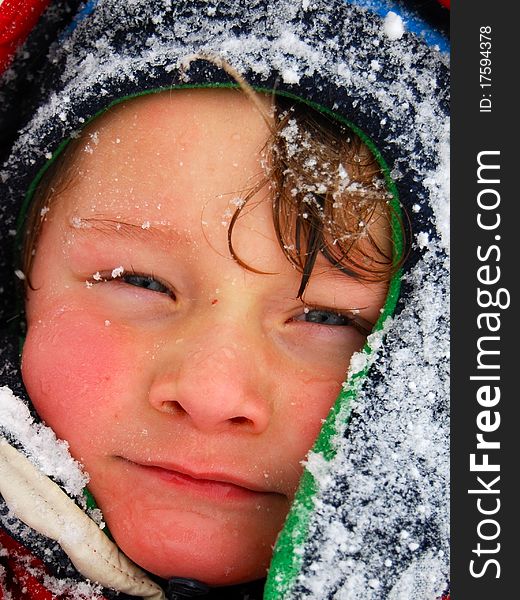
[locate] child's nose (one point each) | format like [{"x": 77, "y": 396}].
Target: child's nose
[{"x": 216, "y": 384}]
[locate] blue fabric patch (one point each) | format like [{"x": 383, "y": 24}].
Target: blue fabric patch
[
  {"x": 83, "y": 13},
  {"x": 413, "y": 23}
]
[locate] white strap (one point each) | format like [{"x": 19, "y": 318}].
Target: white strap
[{"x": 42, "y": 505}]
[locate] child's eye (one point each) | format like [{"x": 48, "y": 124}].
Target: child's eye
[
  {"x": 146, "y": 282},
  {"x": 325, "y": 317},
  {"x": 322, "y": 316}
]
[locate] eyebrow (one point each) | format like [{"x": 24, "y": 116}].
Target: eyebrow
[{"x": 144, "y": 232}]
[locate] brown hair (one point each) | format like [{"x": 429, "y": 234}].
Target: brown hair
[{"x": 327, "y": 192}]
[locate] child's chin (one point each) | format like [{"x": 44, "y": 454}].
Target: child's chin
[{"x": 197, "y": 550}]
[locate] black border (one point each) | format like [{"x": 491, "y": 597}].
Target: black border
[{"x": 473, "y": 132}]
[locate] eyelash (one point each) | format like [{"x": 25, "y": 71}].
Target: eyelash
[
  {"x": 364, "y": 327},
  {"x": 141, "y": 278},
  {"x": 164, "y": 289}
]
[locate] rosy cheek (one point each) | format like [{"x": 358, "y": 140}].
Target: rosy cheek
[
  {"x": 71, "y": 364},
  {"x": 307, "y": 407},
  {"x": 317, "y": 398}
]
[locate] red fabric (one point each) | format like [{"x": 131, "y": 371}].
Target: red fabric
[
  {"x": 446, "y": 4},
  {"x": 15, "y": 578},
  {"x": 17, "y": 18},
  {"x": 22, "y": 575}
]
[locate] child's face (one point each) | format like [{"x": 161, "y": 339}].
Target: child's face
[{"x": 189, "y": 387}]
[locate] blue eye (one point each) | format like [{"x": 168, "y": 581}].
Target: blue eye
[
  {"x": 146, "y": 282},
  {"x": 326, "y": 317},
  {"x": 331, "y": 318}
]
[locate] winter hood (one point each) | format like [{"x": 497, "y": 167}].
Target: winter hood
[{"x": 370, "y": 519}]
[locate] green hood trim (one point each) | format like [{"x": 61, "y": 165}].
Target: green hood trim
[{"x": 288, "y": 552}]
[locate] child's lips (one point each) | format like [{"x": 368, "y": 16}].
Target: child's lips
[{"x": 216, "y": 485}]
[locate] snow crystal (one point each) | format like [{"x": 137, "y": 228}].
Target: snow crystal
[
  {"x": 358, "y": 362},
  {"x": 343, "y": 174},
  {"x": 290, "y": 76},
  {"x": 20, "y": 274},
  {"x": 361, "y": 360},
  {"x": 238, "y": 202},
  {"x": 71, "y": 588},
  {"x": 420, "y": 581},
  {"x": 393, "y": 26},
  {"x": 423, "y": 239},
  {"x": 318, "y": 466},
  {"x": 78, "y": 223},
  {"x": 117, "y": 272},
  {"x": 438, "y": 183},
  {"x": 42, "y": 448}
]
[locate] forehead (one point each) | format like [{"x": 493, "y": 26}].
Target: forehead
[
  {"x": 155, "y": 148},
  {"x": 178, "y": 165}
]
